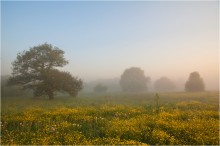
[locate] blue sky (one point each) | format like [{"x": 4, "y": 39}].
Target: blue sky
[{"x": 102, "y": 39}]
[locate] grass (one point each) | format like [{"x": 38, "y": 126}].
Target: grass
[{"x": 183, "y": 118}]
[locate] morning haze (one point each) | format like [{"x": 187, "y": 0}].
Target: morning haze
[
  {"x": 109, "y": 73},
  {"x": 102, "y": 39}
]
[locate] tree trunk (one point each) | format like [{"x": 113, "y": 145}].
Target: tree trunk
[{"x": 50, "y": 94}]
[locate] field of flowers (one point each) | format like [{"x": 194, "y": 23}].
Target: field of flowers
[{"x": 180, "y": 118}]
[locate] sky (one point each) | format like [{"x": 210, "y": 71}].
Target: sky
[{"x": 101, "y": 39}]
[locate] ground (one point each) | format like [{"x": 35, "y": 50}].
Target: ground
[{"x": 119, "y": 118}]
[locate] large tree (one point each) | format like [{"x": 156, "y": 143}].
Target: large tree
[
  {"x": 195, "y": 83},
  {"x": 36, "y": 69},
  {"x": 134, "y": 80}
]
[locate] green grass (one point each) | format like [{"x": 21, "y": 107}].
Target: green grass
[{"x": 183, "y": 118}]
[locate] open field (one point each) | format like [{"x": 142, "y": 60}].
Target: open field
[{"x": 180, "y": 118}]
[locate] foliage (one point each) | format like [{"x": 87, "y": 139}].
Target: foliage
[
  {"x": 35, "y": 69},
  {"x": 193, "y": 119},
  {"x": 164, "y": 84},
  {"x": 100, "y": 88},
  {"x": 12, "y": 91},
  {"x": 195, "y": 83},
  {"x": 59, "y": 81},
  {"x": 134, "y": 80}
]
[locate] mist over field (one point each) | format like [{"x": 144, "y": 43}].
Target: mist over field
[
  {"x": 109, "y": 73},
  {"x": 102, "y": 39}
]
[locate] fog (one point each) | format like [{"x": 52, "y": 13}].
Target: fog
[
  {"x": 102, "y": 39},
  {"x": 114, "y": 86}
]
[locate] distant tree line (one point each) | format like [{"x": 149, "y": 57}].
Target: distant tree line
[
  {"x": 100, "y": 88},
  {"x": 134, "y": 80},
  {"x": 164, "y": 84},
  {"x": 36, "y": 69}
]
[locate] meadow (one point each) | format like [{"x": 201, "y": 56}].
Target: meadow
[{"x": 179, "y": 118}]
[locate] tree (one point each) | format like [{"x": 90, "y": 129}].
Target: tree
[
  {"x": 100, "y": 88},
  {"x": 134, "y": 80},
  {"x": 36, "y": 69},
  {"x": 164, "y": 84},
  {"x": 195, "y": 83},
  {"x": 12, "y": 91}
]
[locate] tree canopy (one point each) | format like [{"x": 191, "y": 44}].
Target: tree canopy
[
  {"x": 134, "y": 80},
  {"x": 36, "y": 69},
  {"x": 195, "y": 83}
]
